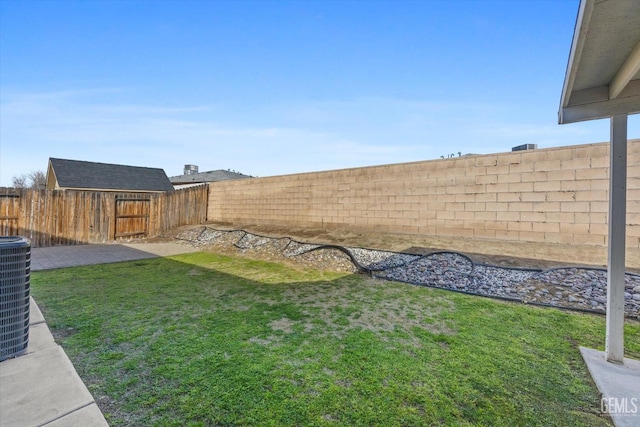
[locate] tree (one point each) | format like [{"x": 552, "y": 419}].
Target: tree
[
  {"x": 36, "y": 180},
  {"x": 19, "y": 181}
]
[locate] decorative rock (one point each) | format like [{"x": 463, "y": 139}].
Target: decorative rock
[{"x": 447, "y": 270}]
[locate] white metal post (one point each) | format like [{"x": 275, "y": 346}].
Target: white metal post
[{"x": 614, "y": 347}]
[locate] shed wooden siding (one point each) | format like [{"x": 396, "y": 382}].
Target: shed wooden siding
[{"x": 53, "y": 217}]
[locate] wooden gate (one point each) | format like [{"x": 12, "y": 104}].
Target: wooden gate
[
  {"x": 9, "y": 212},
  {"x": 132, "y": 217}
]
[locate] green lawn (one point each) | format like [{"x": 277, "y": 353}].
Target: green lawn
[{"x": 204, "y": 339}]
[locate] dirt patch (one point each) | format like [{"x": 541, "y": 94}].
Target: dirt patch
[
  {"x": 284, "y": 325},
  {"x": 327, "y": 259},
  {"x": 261, "y": 341},
  {"x": 366, "y": 306}
]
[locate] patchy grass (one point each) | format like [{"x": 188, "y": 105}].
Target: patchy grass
[{"x": 204, "y": 339}]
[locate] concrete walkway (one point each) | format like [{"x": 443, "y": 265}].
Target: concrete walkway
[
  {"x": 73, "y": 256},
  {"x": 619, "y": 385},
  {"x": 41, "y": 387}
]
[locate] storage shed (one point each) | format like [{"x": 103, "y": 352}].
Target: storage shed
[{"x": 63, "y": 174}]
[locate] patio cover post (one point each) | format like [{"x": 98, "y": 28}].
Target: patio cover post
[{"x": 614, "y": 346}]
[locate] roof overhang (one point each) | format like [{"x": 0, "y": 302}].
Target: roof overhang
[{"x": 603, "y": 73}]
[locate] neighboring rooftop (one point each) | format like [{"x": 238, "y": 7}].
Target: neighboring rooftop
[
  {"x": 64, "y": 174},
  {"x": 210, "y": 176}
]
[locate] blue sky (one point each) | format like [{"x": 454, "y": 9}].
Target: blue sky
[{"x": 276, "y": 87}]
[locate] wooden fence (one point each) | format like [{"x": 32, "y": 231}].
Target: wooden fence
[{"x": 54, "y": 217}]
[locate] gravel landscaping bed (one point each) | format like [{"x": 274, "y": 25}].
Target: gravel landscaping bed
[{"x": 580, "y": 288}]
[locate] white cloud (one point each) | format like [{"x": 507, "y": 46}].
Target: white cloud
[{"x": 274, "y": 139}]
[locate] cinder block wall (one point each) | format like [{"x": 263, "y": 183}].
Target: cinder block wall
[{"x": 556, "y": 195}]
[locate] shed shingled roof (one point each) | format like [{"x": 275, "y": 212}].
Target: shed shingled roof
[{"x": 80, "y": 174}]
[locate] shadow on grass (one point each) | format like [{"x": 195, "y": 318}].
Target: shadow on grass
[{"x": 205, "y": 339}]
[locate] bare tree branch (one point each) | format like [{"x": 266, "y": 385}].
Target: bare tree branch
[
  {"x": 36, "y": 180},
  {"x": 19, "y": 181}
]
